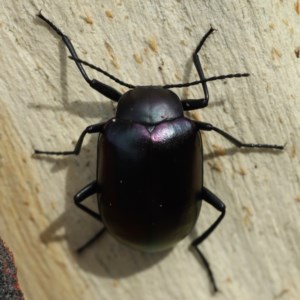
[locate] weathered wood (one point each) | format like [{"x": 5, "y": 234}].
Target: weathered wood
[{"x": 45, "y": 103}]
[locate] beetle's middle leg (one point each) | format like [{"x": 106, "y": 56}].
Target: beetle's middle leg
[
  {"x": 84, "y": 193},
  {"x": 96, "y": 128},
  {"x": 233, "y": 140},
  {"x": 213, "y": 200}
]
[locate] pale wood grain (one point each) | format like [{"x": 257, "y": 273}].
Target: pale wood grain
[{"x": 46, "y": 104}]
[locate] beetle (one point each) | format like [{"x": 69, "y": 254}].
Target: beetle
[{"x": 149, "y": 182}]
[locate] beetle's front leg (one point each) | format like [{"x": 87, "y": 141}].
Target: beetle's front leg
[
  {"x": 101, "y": 87},
  {"x": 200, "y": 103},
  {"x": 90, "y": 129},
  {"x": 191, "y": 104}
]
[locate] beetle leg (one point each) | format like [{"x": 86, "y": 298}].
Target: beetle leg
[
  {"x": 233, "y": 140},
  {"x": 191, "y": 104},
  {"x": 84, "y": 193},
  {"x": 213, "y": 200},
  {"x": 89, "y": 190},
  {"x": 199, "y": 103},
  {"x": 198, "y": 66},
  {"x": 100, "y": 87},
  {"x": 90, "y": 129}
]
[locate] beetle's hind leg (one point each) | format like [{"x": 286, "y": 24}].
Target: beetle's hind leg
[
  {"x": 89, "y": 190},
  {"x": 91, "y": 241},
  {"x": 213, "y": 200},
  {"x": 84, "y": 193}
]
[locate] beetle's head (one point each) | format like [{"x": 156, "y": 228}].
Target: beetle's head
[{"x": 149, "y": 105}]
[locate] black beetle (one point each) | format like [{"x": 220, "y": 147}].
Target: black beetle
[{"x": 150, "y": 162}]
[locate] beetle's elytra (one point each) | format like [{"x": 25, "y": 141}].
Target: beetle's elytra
[
  {"x": 150, "y": 162},
  {"x": 155, "y": 208}
]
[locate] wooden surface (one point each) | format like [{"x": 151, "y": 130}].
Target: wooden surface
[{"x": 46, "y": 104}]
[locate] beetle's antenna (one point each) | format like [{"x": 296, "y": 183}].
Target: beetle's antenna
[
  {"x": 103, "y": 72},
  {"x": 167, "y": 86},
  {"x": 221, "y": 77}
]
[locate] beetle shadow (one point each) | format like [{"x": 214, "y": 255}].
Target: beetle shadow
[{"x": 106, "y": 257}]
